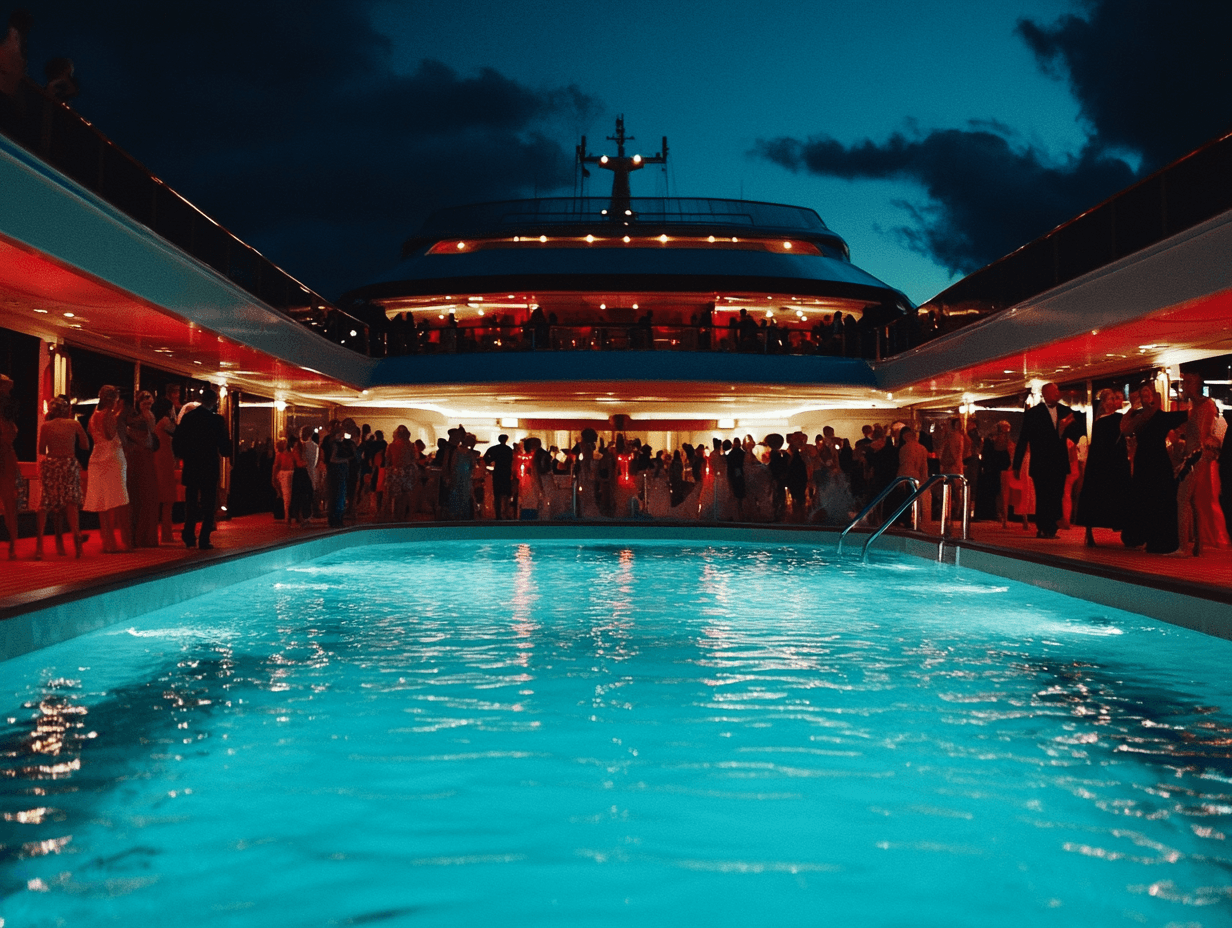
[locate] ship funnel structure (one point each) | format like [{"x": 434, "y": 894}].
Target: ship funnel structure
[{"x": 621, "y": 166}]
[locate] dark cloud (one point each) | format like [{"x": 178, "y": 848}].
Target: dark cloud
[
  {"x": 1150, "y": 76},
  {"x": 290, "y": 124},
  {"x": 1152, "y": 79},
  {"x": 987, "y": 196}
]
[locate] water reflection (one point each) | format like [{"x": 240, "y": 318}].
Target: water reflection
[{"x": 670, "y": 688}]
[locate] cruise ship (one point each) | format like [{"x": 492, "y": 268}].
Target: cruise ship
[
  {"x": 677, "y": 319},
  {"x": 456, "y": 723}
]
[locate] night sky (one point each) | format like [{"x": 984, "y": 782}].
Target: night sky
[{"x": 934, "y": 136}]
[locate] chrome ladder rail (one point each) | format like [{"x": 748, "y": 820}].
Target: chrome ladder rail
[
  {"x": 945, "y": 510},
  {"x": 897, "y": 481},
  {"x": 945, "y": 480}
]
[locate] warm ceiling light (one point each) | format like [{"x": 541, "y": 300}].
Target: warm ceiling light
[
  {"x": 603, "y": 306},
  {"x": 461, "y": 245},
  {"x": 635, "y": 306},
  {"x": 663, "y": 238},
  {"x": 712, "y": 238},
  {"x": 69, "y": 315},
  {"x": 734, "y": 239},
  {"x": 42, "y": 311},
  {"x": 786, "y": 245},
  {"x": 627, "y": 240},
  {"x": 603, "y": 159},
  {"x": 590, "y": 238},
  {"x": 517, "y": 238},
  {"x": 543, "y": 238}
]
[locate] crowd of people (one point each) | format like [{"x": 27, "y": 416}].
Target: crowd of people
[
  {"x": 141, "y": 457},
  {"x": 1151, "y": 475},
  {"x": 1050, "y": 478},
  {"x": 878, "y": 331}
]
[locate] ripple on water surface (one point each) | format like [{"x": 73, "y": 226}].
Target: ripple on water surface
[{"x": 453, "y": 733}]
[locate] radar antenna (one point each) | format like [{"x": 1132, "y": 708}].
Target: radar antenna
[{"x": 621, "y": 167}]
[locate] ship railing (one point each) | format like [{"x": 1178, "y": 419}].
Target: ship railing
[
  {"x": 403, "y": 338},
  {"x": 59, "y": 136},
  {"x": 532, "y": 215}
]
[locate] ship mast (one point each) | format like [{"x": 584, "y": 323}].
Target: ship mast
[{"x": 621, "y": 167}]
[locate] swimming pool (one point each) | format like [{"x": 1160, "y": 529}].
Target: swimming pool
[{"x": 598, "y": 732}]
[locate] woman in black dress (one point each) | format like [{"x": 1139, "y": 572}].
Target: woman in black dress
[
  {"x": 1106, "y": 480},
  {"x": 1151, "y": 514},
  {"x": 995, "y": 459}
]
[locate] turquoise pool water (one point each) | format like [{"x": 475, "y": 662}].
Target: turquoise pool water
[{"x": 600, "y": 733}]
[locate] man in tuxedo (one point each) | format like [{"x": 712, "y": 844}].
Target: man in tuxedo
[
  {"x": 200, "y": 441},
  {"x": 500, "y": 457},
  {"x": 1045, "y": 429}
]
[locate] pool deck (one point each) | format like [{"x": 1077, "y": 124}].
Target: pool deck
[{"x": 1203, "y": 583}]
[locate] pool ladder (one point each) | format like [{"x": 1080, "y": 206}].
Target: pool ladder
[{"x": 917, "y": 490}]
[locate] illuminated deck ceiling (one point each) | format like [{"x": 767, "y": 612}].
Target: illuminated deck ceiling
[{"x": 1161, "y": 306}]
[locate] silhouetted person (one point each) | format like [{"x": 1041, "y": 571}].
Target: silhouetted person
[
  {"x": 735, "y": 476},
  {"x": 500, "y": 458},
  {"x": 14, "y": 52},
  {"x": 201, "y": 440},
  {"x": 61, "y": 81}
]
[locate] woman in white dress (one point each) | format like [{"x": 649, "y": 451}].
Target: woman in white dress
[{"x": 107, "y": 474}]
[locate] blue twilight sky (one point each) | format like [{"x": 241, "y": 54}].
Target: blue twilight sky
[
  {"x": 934, "y": 137},
  {"x": 716, "y": 77}
]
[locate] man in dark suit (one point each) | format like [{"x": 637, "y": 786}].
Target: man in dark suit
[
  {"x": 1045, "y": 428},
  {"x": 200, "y": 441},
  {"x": 500, "y": 457}
]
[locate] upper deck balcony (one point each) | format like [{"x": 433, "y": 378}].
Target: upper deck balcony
[
  {"x": 681, "y": 273},
  {"x": 677, "y": 244},
  {"x": 674, "y": 215}
]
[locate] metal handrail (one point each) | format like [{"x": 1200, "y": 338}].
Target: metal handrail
[
  {"x": 58, "y": 135},
  {"x": 915, "y": 487},
  {"x": 944, "y": 480},
  {"x": 406, "y": 337},
  {"x": 945, "y": 509},
  {"x": 909, "y": 501}
]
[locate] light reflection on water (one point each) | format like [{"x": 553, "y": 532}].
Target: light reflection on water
[{"x": 520, "y": 732}]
